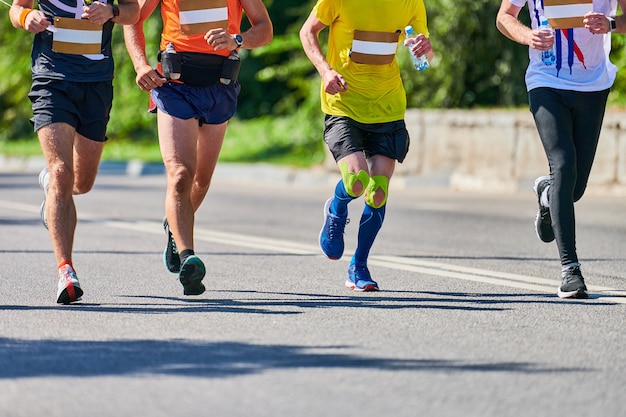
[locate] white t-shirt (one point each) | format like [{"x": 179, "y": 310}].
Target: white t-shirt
[{"x": 584, "y": 58}]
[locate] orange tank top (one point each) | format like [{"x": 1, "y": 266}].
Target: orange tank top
[{"x": 186, "y": 21}]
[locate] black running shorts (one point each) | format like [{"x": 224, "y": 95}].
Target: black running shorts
[
  {"x": 85, "y": 106},
  {"x": 345, "y": 136}
]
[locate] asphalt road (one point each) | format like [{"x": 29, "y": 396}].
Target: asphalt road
[{"x": 467, "y": 322}]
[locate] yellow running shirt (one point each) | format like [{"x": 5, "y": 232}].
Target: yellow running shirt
[{"x": 375, "y": 92}]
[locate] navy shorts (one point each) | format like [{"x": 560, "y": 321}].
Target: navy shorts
[
  {"x": 345, "y": 136},
  {"x": 212, "y": 105},
  {"x": 84, "y": 106}
]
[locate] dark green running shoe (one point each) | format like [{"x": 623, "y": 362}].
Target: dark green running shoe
[
  {"x": 171, "y": 258},
  {"x": 192, "y": 272}
]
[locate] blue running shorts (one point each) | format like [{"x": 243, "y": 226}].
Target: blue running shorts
[{"x": 212, "y": 105}]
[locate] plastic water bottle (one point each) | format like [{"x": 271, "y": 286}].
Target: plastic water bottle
[
  {"x": 421, "y": 63},
  {"x": 548, "y": 57},
  {"x": 230, "y": 68},
  {"x": 170, "y": 62}
]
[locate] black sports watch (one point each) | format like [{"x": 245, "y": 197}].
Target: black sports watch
[
  {"x": 238, "y": 39},
  {"x": 116, "y": 11},
  {"x": 612, "y": 23}
]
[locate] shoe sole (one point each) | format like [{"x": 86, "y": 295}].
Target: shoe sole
[
  {"x": 332, "y": 258},
  {"x": 579, "y": 293},
  {"x": 369, "y": 287},
  {"x": 64, "y": 297},
  {"x": 191, "y": 276}
]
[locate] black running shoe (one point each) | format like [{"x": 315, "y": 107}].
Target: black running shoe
[
  {"x": 543, "y": 221},
  {"x": 171, "y": 257},
  {"x": 573, "y": 285}
]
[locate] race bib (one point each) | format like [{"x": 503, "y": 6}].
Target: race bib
[
  {"x": 200, "y": 16},
  {"x": 565, "y": 14},
  {"x": 76, "y": 36},
  {"x": 376, "y": 48}
]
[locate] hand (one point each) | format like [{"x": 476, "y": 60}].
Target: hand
[
  {"x": 597, "y": 23},
  {"x": 334, "y": 82},
  {"x": 542, "y": 40},
  {"x": 36, "y": 22},
  {"x": 420, "y": 45},
  {"x": 97, "y": 12},
  {"x": 220, "y": 39},
  {"x": 147, "y": 79}
]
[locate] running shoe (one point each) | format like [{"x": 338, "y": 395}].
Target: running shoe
[
  {"x": 44, "y": 182},
  {"x": 331, "y": 235},
  {"x": 573, "y": 284},
  {"x": 68, "y": 289},
  {"x": 191, "y": 274},
  {"x": 171, "y": 258},
  {"x": 359, "y": 278},
  {"x": 543, "y": 221}
]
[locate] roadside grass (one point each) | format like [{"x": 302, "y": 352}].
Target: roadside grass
[{"x": 291, "y": 141}]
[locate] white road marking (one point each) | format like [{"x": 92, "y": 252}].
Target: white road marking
[{"x": 393, "y": 262}]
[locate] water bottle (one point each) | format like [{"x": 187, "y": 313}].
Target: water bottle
[
  {"x": 230, "y": 68},
  {"x": 170, "y": 63},
  {"x": 421, "y": 63},
  {"x": 548, "y": 57}
]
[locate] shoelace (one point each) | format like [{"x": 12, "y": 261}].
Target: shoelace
[
  {"x": 336, "y": 227},
  {"x": 361, "y": 273}
]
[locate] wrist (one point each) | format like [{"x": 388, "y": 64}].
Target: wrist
[
  {"x": 238, "y": 41},
  {"x": 612, "y": 24},
  {"x": 115, "y": 11},
  {"x": 24, "y": 12}
]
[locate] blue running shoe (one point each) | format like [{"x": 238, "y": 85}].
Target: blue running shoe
[
  {"x": 331, "y": 236},
  {"x": 359, "y": 279},
  {"x": 171, "y": 258},
  {"x": 191, "y": 274}
]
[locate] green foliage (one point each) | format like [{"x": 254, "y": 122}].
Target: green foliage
[{"x": 474, "y": 66}]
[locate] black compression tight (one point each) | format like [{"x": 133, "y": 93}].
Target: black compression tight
[{"x": 569, "y": 124}]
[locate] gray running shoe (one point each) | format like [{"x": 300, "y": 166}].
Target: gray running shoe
[
  {"x": 573, "y": 285},
  {"x": 44, "y": 182},
  {"x": 543, "y": 221}
]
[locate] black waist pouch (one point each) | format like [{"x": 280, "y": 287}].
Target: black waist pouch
[
  {"x": 204, "y": 70},
  {"x": 201, "y": 70}
]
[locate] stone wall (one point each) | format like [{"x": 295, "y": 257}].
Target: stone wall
[{"x": 498, "y": 151}]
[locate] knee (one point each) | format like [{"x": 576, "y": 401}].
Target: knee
[
  {"x": 354, "y": 183},
  {"x": 180, "y": 178},
  {"x": 377, "y": 191}
]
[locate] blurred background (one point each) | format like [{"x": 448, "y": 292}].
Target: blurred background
[{"x": 279, "y": 119}]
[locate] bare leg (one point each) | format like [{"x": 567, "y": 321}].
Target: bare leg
[{"x": 72, "y": 162}]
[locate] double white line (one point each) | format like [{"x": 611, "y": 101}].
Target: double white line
[
  {"x": 400, "y": 263},
  {"x": 503, "y": 279}
]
